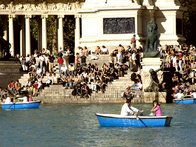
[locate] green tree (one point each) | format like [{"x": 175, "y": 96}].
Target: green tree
[
  {"x": 69, "y": 32},
  {"x": 189, "y": 20},
  {"x": 52, "y": 33}
]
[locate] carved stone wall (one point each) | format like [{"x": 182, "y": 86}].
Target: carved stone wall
[
  {"x": 37, "y": 5},
  {"x": 118, "y": 25}
]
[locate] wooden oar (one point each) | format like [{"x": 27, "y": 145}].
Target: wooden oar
[{"x": 138, "y": 118}]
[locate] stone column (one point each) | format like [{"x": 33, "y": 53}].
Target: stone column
[
  {"x": 77, "y": 32},
  {"x": 22, "y": 36},
  {"x": 27, "y": 34},
  {"x": 11, "y": 34},
  {"x": 44, "y": 31},
  {"x": 60, "y": 32}
]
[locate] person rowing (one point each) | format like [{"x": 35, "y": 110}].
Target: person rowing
[{"x": 127, "y": 109}]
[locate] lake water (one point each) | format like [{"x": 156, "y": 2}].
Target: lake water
[{"x": 76, "y": 126}]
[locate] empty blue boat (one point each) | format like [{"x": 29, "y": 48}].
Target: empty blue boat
[
  {"x": 185, "y": 101},
  {"x": 115, "y": 120}
]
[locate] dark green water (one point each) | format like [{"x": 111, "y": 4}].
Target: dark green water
[{"x": 77, "y": 126}]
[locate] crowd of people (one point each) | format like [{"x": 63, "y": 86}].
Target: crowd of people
[
  {"x": 182, "y": 60},
  {"x": 36, "y": 65},
  {"x": 86, "y": 78}
]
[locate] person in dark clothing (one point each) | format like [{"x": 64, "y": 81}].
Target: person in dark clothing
[
  {"x": 83, "y": 60},
  {"x": 51, "y": 63},
  {"x": 85, "y": 91}
]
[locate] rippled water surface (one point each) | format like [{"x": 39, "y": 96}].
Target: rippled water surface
[{"x": 77, "y": 126}]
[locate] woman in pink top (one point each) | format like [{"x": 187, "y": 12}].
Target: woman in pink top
[{"x": 156, "y": 109}]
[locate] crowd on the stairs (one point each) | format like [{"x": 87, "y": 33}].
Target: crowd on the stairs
[
  {"x": 86, "y": 78},
  {"x": 45, "y": 68}
]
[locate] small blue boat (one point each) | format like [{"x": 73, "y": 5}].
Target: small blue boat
[
  {"x": 21, "y": 105},
  {"x": 115, "y": 120},
  {"x": 185, "y": 101}
]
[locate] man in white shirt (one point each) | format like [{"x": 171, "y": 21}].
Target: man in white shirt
[
  {"x": 8, "y": 100},
  {"x": 24, "y": 99},
  {"x": 193, "y": 94},
  {"x": 127, "y": 109},
  {"x": 179, "y": 95}
]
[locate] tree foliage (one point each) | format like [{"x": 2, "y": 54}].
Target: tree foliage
[
  {"x": 189, "y": 20},
  {"x": 69, "y": 32},
  {"x": 52, "y": 32},
  {"x": 34, "y": 21},
  {"x": 52, "y": 26}
]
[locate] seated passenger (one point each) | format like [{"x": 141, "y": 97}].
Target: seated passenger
[
  {"x": 179, "y": 95},
  {"x": 156, "y": 109},
  {"x": 30, "y": 98},
  {"x": 24, "y": 99},
  {"x": 193, "y": 94},
  {"x": 8, "y": 100}
]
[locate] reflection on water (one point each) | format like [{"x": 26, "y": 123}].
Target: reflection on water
[{"x": 77, "y": 126}]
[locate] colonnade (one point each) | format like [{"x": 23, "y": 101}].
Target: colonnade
[{"x": 25, "y": 33}]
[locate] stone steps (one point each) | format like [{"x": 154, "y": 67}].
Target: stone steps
[{"x": 58, "y": 94}]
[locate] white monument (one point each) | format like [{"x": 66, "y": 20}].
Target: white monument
[
  {"x": 113, "y": 22},
  {"x": 98, "y": 22}
]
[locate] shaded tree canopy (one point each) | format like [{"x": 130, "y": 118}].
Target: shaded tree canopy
[{"x": 189, "y": 20}]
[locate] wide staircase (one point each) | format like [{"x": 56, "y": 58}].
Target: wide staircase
[{"x": 58, "y": 94}]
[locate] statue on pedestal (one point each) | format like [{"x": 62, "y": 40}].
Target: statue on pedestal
[
  {"x": 152, "y": 40},
  {"x": 4, "y": 48}
]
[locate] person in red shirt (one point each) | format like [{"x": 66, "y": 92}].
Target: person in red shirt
[
  {"x": 60, "y": 62},
  {"x": 11, "y": 87}
]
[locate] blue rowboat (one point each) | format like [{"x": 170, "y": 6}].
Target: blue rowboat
[
  {"x": 115, "y": 120},
  {"x": 21, "y": 105},
  {"x": 185, "y": 101}
]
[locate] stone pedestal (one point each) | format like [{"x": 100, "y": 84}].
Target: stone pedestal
[
  {"x": 9, "y": 70},
  {"x": 147, "y": 64},
  {"x": 10, "y": 66}
]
